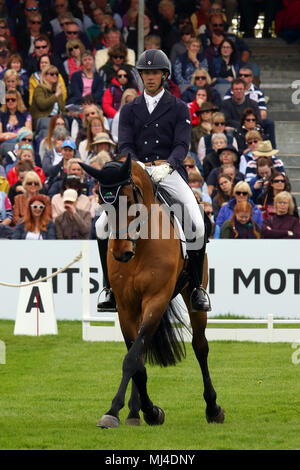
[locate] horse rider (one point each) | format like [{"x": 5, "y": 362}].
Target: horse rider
[{"x": 156, "y": 126}]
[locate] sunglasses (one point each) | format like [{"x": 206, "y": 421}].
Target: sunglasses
[
  {"x": 35, "y": 22},
  {"x": 72, "y": 32},
  {"x": 245, "y": 75},
  {"x": 13, "y": 100},
  {"x": 41, "y": 47},
  {"x": 26, "y": 140},
  {"x": 74, "y": 47},
  {"x": 118, "y": 57},
  {"x": 250, "y": 120},
  {"x": 219, "y": 123},
  {"x": 189, "y": 166},
  {"x": 32, "y": 183},
  {"x": 32, "y": 9},
  {"x": 200, "y": 78},
  {"x": 35, "y": 206},
  {"x": 209, "y": 212},
  {"x": 52, "y": 74},
  {"x": 250, "y": 142},
  {"x": 122, "y": 75},
  {"x": 240, "y": 193},
  {"x": 278, "y": 181},
  {"x": 217, "y": 24}
]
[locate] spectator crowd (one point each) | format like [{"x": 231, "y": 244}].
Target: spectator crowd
[{"x": 68, "y": 67}]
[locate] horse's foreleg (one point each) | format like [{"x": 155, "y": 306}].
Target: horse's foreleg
[
  {"x": 214, "y": 412},
  {"x": 134, "y": 368},
  {"x": 134, "y": 405}
]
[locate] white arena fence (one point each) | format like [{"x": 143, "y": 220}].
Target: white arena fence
[{"x": 256, "y": 279}]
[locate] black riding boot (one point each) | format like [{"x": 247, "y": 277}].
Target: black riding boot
[
  {"x": 109, "y": 303},
  {"x": 199, "y": 299}
]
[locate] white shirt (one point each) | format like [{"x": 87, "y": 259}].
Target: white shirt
[{"x": 151, "y": 101}]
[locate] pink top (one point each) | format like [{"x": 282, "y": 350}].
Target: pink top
[{"x": 87, "y": 86}]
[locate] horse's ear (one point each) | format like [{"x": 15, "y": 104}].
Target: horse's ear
[
  {"x": 94, "y": 172},
  {"x": 127, "y": 165}
]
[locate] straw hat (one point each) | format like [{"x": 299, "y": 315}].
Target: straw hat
[
  {"x": 264, "y": 149},
  {"x": 103, "y": 138}
]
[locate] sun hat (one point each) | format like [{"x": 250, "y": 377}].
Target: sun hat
[
  {"x": 264, "y": 149},
  {"x": 206, "y": 106},
  {"x": 103, "y": 138},
  {"x": 70, "y": 195}
]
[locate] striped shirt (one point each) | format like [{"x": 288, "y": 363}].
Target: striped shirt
[
  {"x": 254, "y": 93},
  {"x": 251, "y": 168}
]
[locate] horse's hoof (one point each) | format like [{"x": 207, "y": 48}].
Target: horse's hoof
[
  {"x": 218, "y": 418},
  {"x": 108, "y": 421},
  {"x": 133, "y": 421},
  {"x": 157, "y": 420}
]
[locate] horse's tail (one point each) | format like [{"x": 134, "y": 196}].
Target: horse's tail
[{"x": 167, "y": 344}]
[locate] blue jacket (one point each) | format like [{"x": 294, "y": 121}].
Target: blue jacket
[
  {"x": 76, "y": 88},
  {"x": 164, "y": 134},
  {"x": 20, "y": 232},
  {"x": 226, "y": 213}
]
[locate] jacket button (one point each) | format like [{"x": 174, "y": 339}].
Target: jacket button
[
  {"x": 157, "y": 141},
  {"x": 146, "y": 159},
  {"x": 156, "y": 125},
  {"x": 146, "y": 142}
]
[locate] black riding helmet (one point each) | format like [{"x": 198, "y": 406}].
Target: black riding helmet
[{"x": 153, "y": 59}]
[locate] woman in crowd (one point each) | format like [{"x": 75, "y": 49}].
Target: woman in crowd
[
  {"x": 241, "y": 225},
  {"x": 227, "y": 155},
  {"x": 54, "y": 156},
  {"x": 25, "y": 153},
  {"x": 13, "y": 116},
  {"x": 113, "y": 94},
  {"x": 73, "y": 223},
  {"x": 117, "y": 57},
  {"x": 12, "y": 81},
  {"x": 203, "y": 95},
  {"x": 277, "y": 183},
  {"x": 35, "y": 78},
  {"x": 32, "y": 186},
  {"x": 188, "y": 62},
  {"x": 225, "y": 67},
  {"x": 128, "y": 95},
  {"x": 198, "y": 185},
  {"x": 56, "y": 122},
  {"x": 86, "y": 81},
  {"x": 48, "y": 97},
  {"x": 218, "y": 126},
  {"x": 241, "y": 193},
  {"x": 212, "y": 160},
  {"x": 201, "y": 78},
  {"x": 252, "y": 139},
  {"x": 37, "y": 223},
  {"x": 75, "y": 48},
  {"x": 90, "y": 111},
  {"x": 94, "y": 127},
  {"x": 282, "y": 224},
  {"x": 15, "y": 62},
  {"x": 249, "y": 122},
  {"x": 224, "y": 193}
]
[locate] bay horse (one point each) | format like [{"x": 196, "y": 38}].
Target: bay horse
[{"x": 145, "y": 274}]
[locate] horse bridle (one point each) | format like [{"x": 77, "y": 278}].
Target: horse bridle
[{"x": 137, "y": 192}]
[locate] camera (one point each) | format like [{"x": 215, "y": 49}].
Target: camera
[{"x": 264, "y": 179}]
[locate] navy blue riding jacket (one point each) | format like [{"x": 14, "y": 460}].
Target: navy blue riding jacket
[{"x": 164, "y": 134}]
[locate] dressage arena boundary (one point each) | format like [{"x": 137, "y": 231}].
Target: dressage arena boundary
[
  {"x": 106, "y": 327},
  {"x": 112, "y": 331}
]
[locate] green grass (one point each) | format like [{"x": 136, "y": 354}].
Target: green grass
[{"x": 54, "y": 389}]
